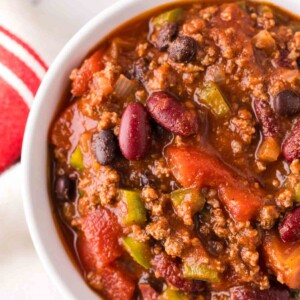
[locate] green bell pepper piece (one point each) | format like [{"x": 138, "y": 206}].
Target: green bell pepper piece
[
  {"x": 200, "y": 272},
  {"x": 242, "y": 5},
  {"x": 76, "y": 159},
  {"x": 136, "y": 212},
  {"x": 297, "y": 192},
  {"x": 139, "y": 251},
  {"x": 210, "y": 96},
  {"x": 173, "y": 295},
  {"x": 191, "y": 195},
  {"x": 171, "y": 16}
]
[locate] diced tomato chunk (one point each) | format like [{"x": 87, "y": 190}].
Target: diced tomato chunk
[
  {"x": 196, "y": 167},
  {"x": 148, "y": 292},
  {"x": 283, "y": 259},
  {"x": 115, "y": 284},
  {"x": 241, "y": 202},
  {"x": 69, "y": 126},
  {"x": 98, "y": 243},
  {"x": 82, "y": 76},
  {"x": 86, "y": 254}
]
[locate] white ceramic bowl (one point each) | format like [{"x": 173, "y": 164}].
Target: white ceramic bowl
[{"x": 38, "y": 210}]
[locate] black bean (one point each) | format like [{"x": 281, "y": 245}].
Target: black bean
[
  {"x": 104, "y": 146},
  {"x": 287, "y": 103},
  {"x": 62, "y": 187},
  {"x": 140, "y": 69},
  {"x": 166, "y": 35},
  {"x": 183, "y": 49}
]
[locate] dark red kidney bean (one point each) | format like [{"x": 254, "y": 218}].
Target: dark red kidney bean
[
  {"x": 289, "y": 228},
  {"x": 287, "y": 103},
  {"x": 134, "y": 136},
  {"x": 169, "y": 269},
  {"x": 291, "y": 145},
  {"x": 171, "y": 114},
  {"x": 62, "y": 188},
  {"x": 104, "y": 145},
  {"x": 183, "y": 49},
  {"x": 266, "y": 118},
  {"x": 247, "y": 293},
  {"x": 166, "y": 35}
]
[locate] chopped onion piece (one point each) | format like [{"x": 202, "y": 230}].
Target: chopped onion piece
[{"x": 124, "y": 87}]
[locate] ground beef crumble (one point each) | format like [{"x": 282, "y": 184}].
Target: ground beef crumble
[
  {"x": 244, "y": 125},
  {"x": 102, "y": 187},
  {"x": 159, "y": 229},
  {"x": 268, "y": 216},
  {"x": 241, "y": 253}
]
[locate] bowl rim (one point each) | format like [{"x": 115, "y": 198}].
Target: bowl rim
[{"x": 40, "y": 221}]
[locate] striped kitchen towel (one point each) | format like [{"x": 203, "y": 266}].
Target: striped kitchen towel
[
  {"x": 29, "y": 27},
  {"x": 21, "y": 72}
]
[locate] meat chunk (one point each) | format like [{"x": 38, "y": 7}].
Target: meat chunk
[
  {"x": 244, "y": 126},
  {"x": 268, "y": 216},
  {"x": 264, "y": 40},
  {"x": 177, "y": 242},
  {"x": 102, "y": 186},
  {"x": 159, "y": 228}
]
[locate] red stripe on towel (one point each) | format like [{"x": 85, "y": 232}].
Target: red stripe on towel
[
  {"x": 20, "y": 69},
  {"x": 13, "y": 118},
  {"x": 25, "y": 46}
]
